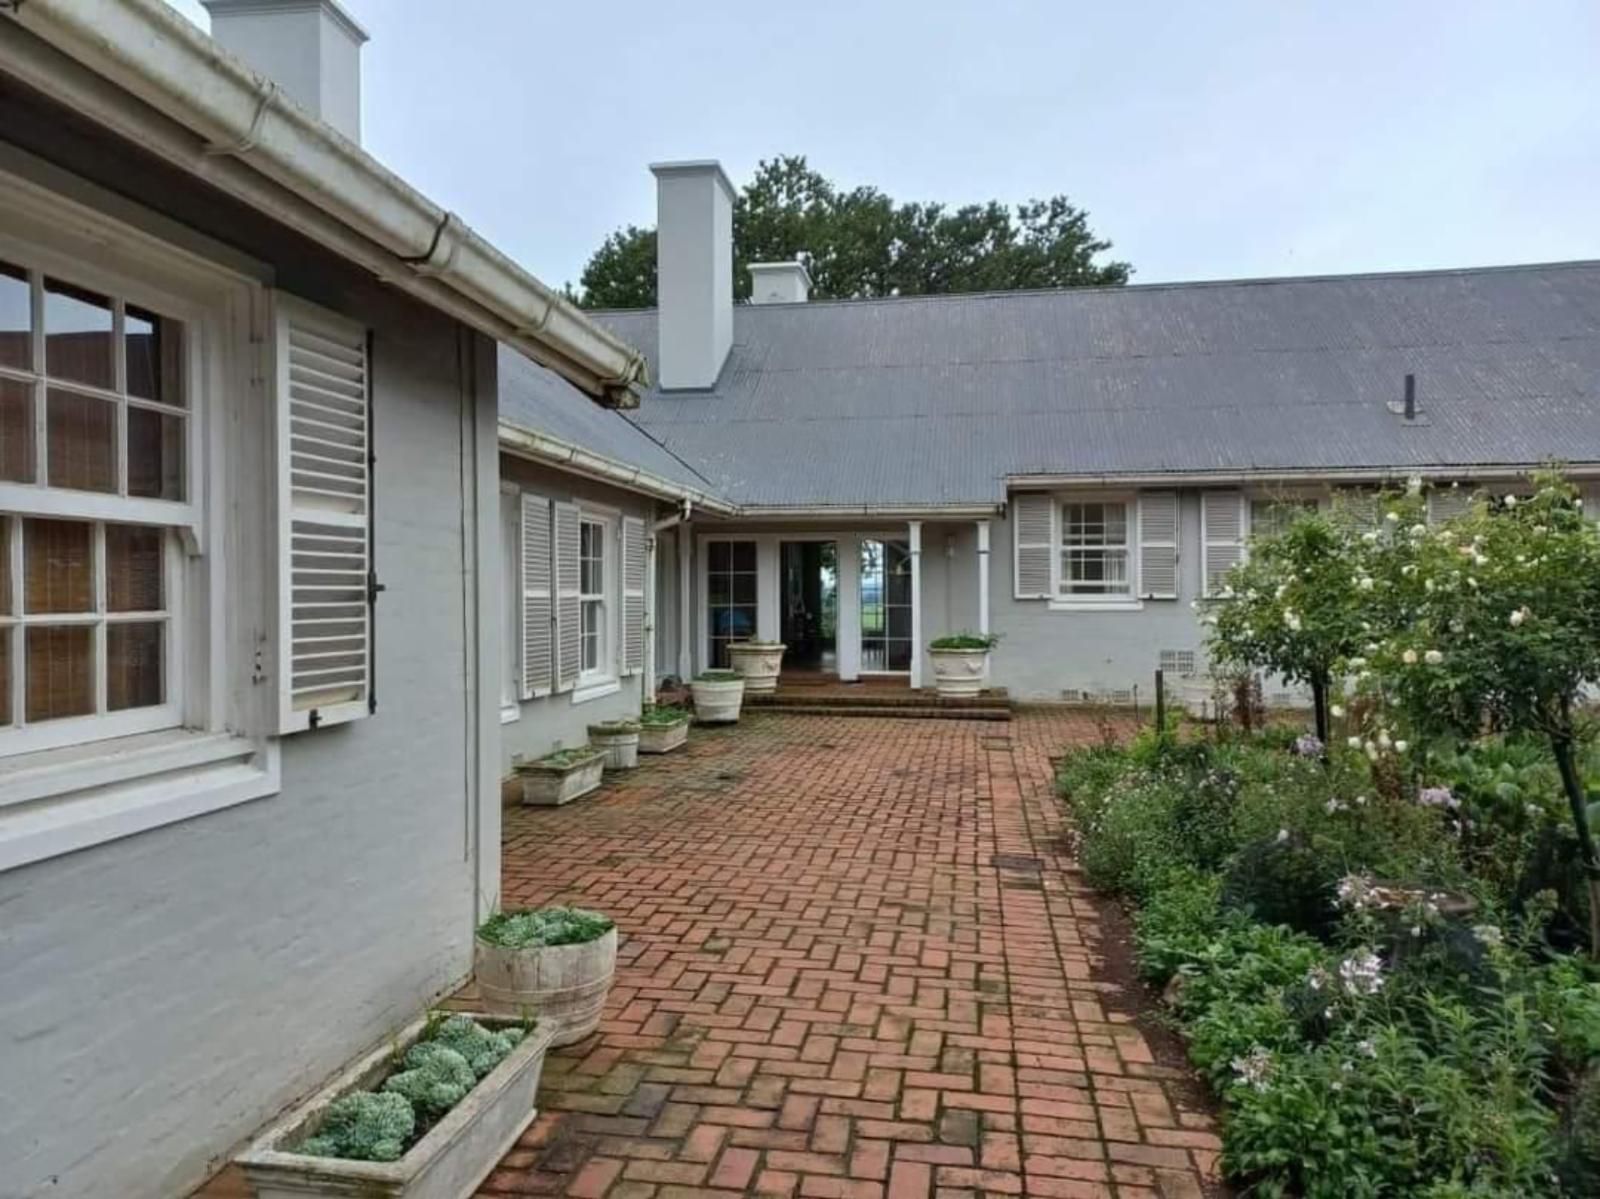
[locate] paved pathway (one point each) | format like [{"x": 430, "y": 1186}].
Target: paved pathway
[{"x": 856, "y": 964}]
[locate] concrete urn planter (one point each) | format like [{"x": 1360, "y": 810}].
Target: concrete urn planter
[
  {"x": 663, "y": 738},
  {"x": 550, "y": 784},
  {"x": 718, "y": 697},
  {"x": 450, "y": 1160},
  {"x": 958, "y": 671},
  {"x": 565, "y": 986},
  {"x": 618, "y": 742},
  {"x": 759, "y": 662}
]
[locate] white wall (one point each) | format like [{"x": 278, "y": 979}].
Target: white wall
[{"x": 556, "y": 721}]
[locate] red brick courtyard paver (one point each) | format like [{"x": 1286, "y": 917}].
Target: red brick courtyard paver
[{"x": 855, "y": 963}]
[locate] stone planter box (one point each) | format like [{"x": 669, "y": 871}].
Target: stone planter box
[
  {"x": 718, "y": 700},
  {"x": 547, "y": 785},
  {"x": 565, "y": 986},
  {"x": 663, "y": 738},
  {"x": 958, "y": 671},
  {"x": 758, "y": 663},
  {"x": 450, "y": 1160},
  {"x": 619, "y": 743}
]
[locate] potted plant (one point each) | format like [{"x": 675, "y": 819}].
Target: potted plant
[
  {"x": 718, "y": 696},
  {"x": 759, "y": 662},
  {"x": 426, "y": 1117},
  {"x": 554, "y": 962},
  {"x": 618, "y": 740},
  {"x": 662, "y": 728},
  {"x": 961, "y": 662},
  {"x": 562, "y": 776}
]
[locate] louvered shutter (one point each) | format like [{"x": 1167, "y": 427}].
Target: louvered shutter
[
  {"x": 1158, "y": 545},
  {"x": 569, "y": 616},
  {"x": 1222, "y": 530},
  {"x": 1447, "y": 503},
  {"x": 1033, "y": 543},
  {"x": 633, "y": 567},
  {"x": 538, "y": 599},
  {"x": 323, "y": 493},
  {"x": 1359, "y": 505}
]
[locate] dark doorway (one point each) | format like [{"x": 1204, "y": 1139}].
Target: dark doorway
[{"x": 810, "y": 624}]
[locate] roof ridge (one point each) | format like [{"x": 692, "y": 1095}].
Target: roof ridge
[{"x": 1171, "y": 285}]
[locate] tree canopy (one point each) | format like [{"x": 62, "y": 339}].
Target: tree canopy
[{"x": 861, "y": 243}]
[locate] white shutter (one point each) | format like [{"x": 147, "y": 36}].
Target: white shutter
[
  {"x": 1447, "y": 503},
  {"x": 569, "y": 616},
  {"x": 1359, "y": 504},
  {"x": 324, "y": 634},
  {"x": 1033, "y": 543},
  {"x": 538, "y": 599},
  {"x": 1158, "y": 545},
  {"x": 1222, "y": 532},
  {"x": 633, "y": 567}
]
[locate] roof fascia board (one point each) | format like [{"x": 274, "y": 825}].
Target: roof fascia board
[
  {"x": 1039, "y": 482},
  {"x": 904, "y": 511},
  {"x": 563, "y": 455},
  {"x": 236, "y": 116}
]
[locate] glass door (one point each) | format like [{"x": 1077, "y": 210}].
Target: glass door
[
  {"x": 730, "y": 596},
  {"x": 885, "y": 607},
  {"x": 809, "y": 622}
]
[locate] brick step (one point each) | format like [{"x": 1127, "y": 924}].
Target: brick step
[
  {"x": 906, "y": 711},
  {"x": 787, "y": 698}
]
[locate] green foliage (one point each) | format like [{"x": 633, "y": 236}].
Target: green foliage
[
  {"x": 435, "y": 1079},
  {"x": 718, "y": 676},
  {"x": 562, "y": 758},
  {"x": 1284, "y": 881},
  {"x": 364, "y": 1126},
  {"x": 480, "y": 1048},
  {"x": 611, "y": 728},
  {"x": 1579, "y": 1166},
  {"x": 663, "y": 715},
  {"x": 966, "y": 640},
  {"x": 540, "y": 927},
  {"x": 860, "y": 243}
]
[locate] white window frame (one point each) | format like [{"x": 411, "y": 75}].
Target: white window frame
[
  {"x": 511, "y": 602},
  {"x": 1303, "y": 498},
  {"x": 1062, "y": 600},
  {"x": 605, "y": 677},
  {"x": 66, "y": 785}
]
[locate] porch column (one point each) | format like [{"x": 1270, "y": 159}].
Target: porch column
[
  {"x": 916, "y": 603},
  {"x": 983, "y": 577},
  {"x": 685, "y": 605}
]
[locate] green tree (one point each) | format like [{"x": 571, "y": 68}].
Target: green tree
[{"x": 860, "y": 243}]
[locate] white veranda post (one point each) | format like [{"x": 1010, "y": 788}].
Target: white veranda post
[
  {"x": 983, "y": 578},
  {"x": 916, "y": 602}
]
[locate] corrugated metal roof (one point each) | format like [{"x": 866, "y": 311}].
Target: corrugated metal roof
[
  {"x": 537, "y": 400},
  {"x": 936, "y": 400}
]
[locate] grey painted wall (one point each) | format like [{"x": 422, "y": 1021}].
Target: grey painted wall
[
  {"x": 163, "y": 995},
  {"x": 556, "y": 721}
]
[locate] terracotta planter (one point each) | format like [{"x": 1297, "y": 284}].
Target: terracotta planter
[
  {"x": 565, "y": 986},
  {"x": 958, "y": 671},
  {"x": 619, "y": 744},
  {"x": 663, "y": 738},
  {"x": 450, "y": 1160},
  {"x": 759, "y": 664},
  {"x": 718, "y": 701},
  {"x": 547, "y": 785}
]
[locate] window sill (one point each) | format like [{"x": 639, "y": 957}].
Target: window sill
[
  {"x": 1097, "y": 604},
  {"x": 62, "y": 800},
  {"x": 510, "y": 713},
  {"x": 598, "y": 689}
]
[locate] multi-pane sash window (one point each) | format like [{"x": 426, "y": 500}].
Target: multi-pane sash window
[
  {"x": 1272, "y": 517},
  {"x": 94, "y": 417},
  {"x": 1094, "y": 548},
  {"x": 591, "y": 594}
]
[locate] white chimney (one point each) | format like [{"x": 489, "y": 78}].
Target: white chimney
[
  {"x": 309, "y": 48},
  {"x": 694, "y": 272},
  {"x": 779, "y": 283}
]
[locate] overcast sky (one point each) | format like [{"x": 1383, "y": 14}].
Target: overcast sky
[{"x": 1227, "y": 139}]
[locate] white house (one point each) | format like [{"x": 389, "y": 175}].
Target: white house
[
  {"x": 1068, "y": 469},
  {"x": 249, "y": 581}
]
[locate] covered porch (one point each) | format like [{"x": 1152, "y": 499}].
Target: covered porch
[{"x": 855, "y": 598}]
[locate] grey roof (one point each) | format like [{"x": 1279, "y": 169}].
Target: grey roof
[
  {"x": 540, "y": 401},
  {"x": 936, "y": 400}
]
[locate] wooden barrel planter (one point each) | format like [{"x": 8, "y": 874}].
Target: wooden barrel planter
[{"x": 564, "y": 986}]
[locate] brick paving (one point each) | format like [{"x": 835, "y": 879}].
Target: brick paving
[{"x": 856, "y": 963}]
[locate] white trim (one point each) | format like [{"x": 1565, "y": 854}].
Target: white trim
[
  {"x": 1059, "y": 599},
  {"x": 914, "y": 549},
  {"x": 597, "y": 689},
  {"x": 1095, "y": 603},
  {"x": 511, "y": 713}
]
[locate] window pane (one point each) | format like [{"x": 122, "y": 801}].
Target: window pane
[
  {"x": 77, "y": 335},
  {"x": 744, "y": 589},
  {"x": 16, "y": 318},
  {"x": 155, "y": 454},
  {"x": 83, "y": 441},
  {"x": 718, "y": 553},
  {"x": 133, "y": 569},
  {"x": 744, "y": 556},
  {"x": 16, "y": 431},
  {"x": 154, "y": 346},
  {"x": 60, "y": 671},
  {"x": 5, "y": 576},
  {"x": 58, "y": 558},
  {"x": 6, "y": 634},
  {"x": 133, "y": 665}
]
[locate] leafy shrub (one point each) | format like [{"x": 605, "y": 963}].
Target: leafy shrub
[
  {"x": 541, "y": 927},
  {"x": 1284, "y": 880},
  {"x": 1579, "y": 1167},
  {"x": 1177, "y": 923},
  {"x": 482, "y": 1049},
  {"x": 435, "y": 1079},
  {"x": 966, "y": 640},
  {"x": 364, "y": 1126},
  {"x": 660, "y": 715}
]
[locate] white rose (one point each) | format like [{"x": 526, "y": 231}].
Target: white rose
[
  {"x": 1400, "y": 747},
  {"x": 1392, "y": 517},
  {"x": 1353, "y": 742},
  {"x": 1370, "y": 538},
  {"x": 1511, "y": 501},
  {"x": 1409, "y": 657},
  {"x": 1336, "y": 709},
  {"x": 1419, "y": 530},
  {"x": 1366, "y": 583},
  {"x": 1518, "y": 617},
  {"x": 1433, "y": 657}
]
